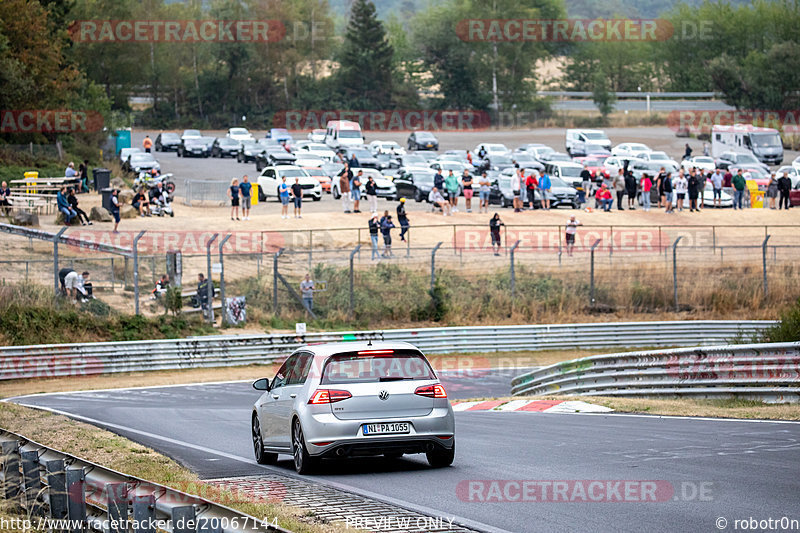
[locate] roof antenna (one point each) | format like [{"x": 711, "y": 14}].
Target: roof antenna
[{"x": 369, "y": 342}]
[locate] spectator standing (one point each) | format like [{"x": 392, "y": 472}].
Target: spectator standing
[
  {"x": 283, "y": 194},
  {"x": 662, "y": 174},
  {"x": 438, "y": 180},
  {"x": 73, "y": 203},
  {"x": 630, "y": 188},
  {"x": 570, "y": 231},
  {"x": 716, "y": 185},
  {"x": 307, "y": 292},
  {"x": 516, "y": 189},
  {"x": 668, "y": 193},
  {"x": 402, "y": 219},
  {"x": 355, "y": 191},
  {"x": 70, "y": 171},
  {"x": 436, "y": 198},
  {"x": 466, "y": 186},
  {"x": 246, "y": 189},
  {"x": 772, "y": 190},
  {"x": 739, "y": 185},
  {"x": 386, "y": 230},
  {"x": 5, "y": 197},
  {"x": 619, "y": 188},
  {"x": 374, "y": 228},
  {"x": 483, "y": 192},
  {"x": 371, "y": 188},
  {"x": 727, "y": 179},
  {"x": 701, "y": 188},
  {"x": 494, "y": 230},
  {"x": 544, "y": 189},
  {"x": 201, "y": 296},
  {"x": 297, "y": 197},
  {"x": 681, "y": 185},
  {"x": 345, "y": 177},
  {"x": 83, "y": 172},
  {"x": 451, "y": 184},
  {"x": 63, "y": 206},
  {"x": 531, "y": 183},
  {"x": 646, "y": 185},
  {"x": 147, "y": 144},
  {"x": 233, "y": 194},
  {"x": 115, "y": 208},
  {"x": 705, "y": 149},
  {"x": 687, "y": 153},
  {"x": 784, "y": 187}
]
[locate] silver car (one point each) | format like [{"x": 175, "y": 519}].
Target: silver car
[{"x": 353, "y": 399}]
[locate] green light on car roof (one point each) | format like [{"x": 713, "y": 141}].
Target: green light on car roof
[{"x": 349, "y": 337}]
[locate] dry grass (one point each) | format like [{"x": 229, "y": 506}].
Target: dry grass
[
  {"x": 115, "y": 452},
  {"x": 745, "y": 409}
]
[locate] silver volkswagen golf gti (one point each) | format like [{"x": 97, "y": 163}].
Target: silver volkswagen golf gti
[{"x": 353, "y": 399}]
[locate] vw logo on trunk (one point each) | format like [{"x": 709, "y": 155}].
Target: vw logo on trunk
[{"x": 383, "y": 395}]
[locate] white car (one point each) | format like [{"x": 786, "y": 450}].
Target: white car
[
  {"x": 457, "y": 167},
  {"x": 385, "y": 187},
  {"x": 492, "y": 149},
  {"x": 661, "y": 158},
  {"x": 726, "y": 200},
  {"x": 793, "y": 172},
  {"x": 317, "y": 136},
  {"x": 796, "y": 163},
  {"x": 125, "y": 152},
  {"x": 272, "y": 176},
  {"x": 613, "y": 164},
  {"x": 191, "y": 134},
  {"x": 317, "y": 149},
  {"x": 239, "y": 134},
  {"x": 386, "y": 147},
  {"x": 702, "y": 162},
  {"x": 306, "y": 159},
  {"x": 630, "y": 149}
]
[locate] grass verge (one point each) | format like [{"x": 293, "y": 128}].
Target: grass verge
[{"x": 118, "y": 453}]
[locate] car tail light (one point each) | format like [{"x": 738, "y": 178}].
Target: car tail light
[
  {"x": 376, "y": 352},
  {"x": 431, "y": 391},
  {"x": 323, "y": 396}
]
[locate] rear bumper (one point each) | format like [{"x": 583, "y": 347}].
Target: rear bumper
[{"x": 387, "y": 446}]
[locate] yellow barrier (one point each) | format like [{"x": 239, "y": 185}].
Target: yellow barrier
[
  {"x": 30, "y": 181},
  {"x": 757, "y": 199},
  {"x": 254, "y": 194}
]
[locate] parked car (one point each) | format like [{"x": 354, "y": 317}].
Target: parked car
[
  {"x": 362, "y": 156},
  {"x": 794, "y": 195},
  {"x": 568, "y": 171},
  {"x": 387, "y": 162},
  {"x": 669, "y": 164},
  {"x": 726, "y": 200},
  {"x": 304, "y": 159},
  {"x": 386, "y": 147},
  {"x": 497, "y": 162},
  {"x": 225, "y": 147},
  {"x": 501, "y": 192},
  {"x": 551, "y": 157},
  {"x": 540, "y": 152},
  {"x": 796, "y": 163},
  {"x": 140, "y": 162},
  {"x": 414, "y": 183},
  {"x": 384, "y": 187},
  {"x": 739, "y": 160},
  {"x": 167, "y": 142},
  {"x": 583, "y": 142},
  {"x": 492, "y": 149},
  {"x": 702, "y": 162},
  {"x": 124, "y": 153},
  {"x": 422, "y": 140},
  {"x": 595, "y": 165},
  {"x": 413, "y": 160},
  {"x": 248, "y": 151},
  {"x": 271, "y": 177},
  {"x": 794, "y": 174},
  {"x": 317, "y": 136},
  {"x": 191, "y": 134},
  {"x": 524, "y": 159},
  {"x": 239, "y": 134},
  {"x": 630, "y": 149},
  {"x": 281, "y": 135},
  {"x": 457, "y": 167},
  {"x": 194, "y": 147},
  {"x": 274, "y": 155},
  {"x": 318, "y": 149},
  {"x": 561, "y": 194},
  {"x": 640, "y": 167},
  {"x": 321, "y": 176}
]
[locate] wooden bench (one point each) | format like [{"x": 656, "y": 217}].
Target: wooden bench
[{"x": 43, "y": 184}]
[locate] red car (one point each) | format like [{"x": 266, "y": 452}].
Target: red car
[
  {"x": 594, "y": 163},
  {"x": 794, "y": 195}
]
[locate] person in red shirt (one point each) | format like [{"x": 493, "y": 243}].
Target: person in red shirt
[
  {"x": 531, "y": 183},
  {"x": 646, "y": 184},
  {"x": 603, "y": 195}
]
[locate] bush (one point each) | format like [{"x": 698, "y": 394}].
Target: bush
[{"x": 788, "y": 329}]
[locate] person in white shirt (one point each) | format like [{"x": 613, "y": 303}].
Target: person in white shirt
[
  {"x": 571, "y": 230},
  {"x": 436, "y": 198},
  {"x": 681, "y": 185},
  {"x": 74, "y": 284},
  {"x": 516, "y": 188},
  {"x": 716, "y": 183}
]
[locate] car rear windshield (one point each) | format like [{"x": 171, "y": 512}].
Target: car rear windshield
[{"x": 377, "y": 365}]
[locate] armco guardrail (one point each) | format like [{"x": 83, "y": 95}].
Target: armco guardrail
[
  {"x": 768, "y": 372},
  {"x": 234, "y": 350},
  {"x": 81, "y": 496}
]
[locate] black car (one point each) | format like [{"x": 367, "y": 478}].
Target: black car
[
  {"x": 274, "y": 156},
  {"x": 225, "y": 147},
  {"x": 194, "y": 147},
  {"x": 248, "y": 151},
  {"x": 414, "y": 183},
  {"x": 422, "y": 140},
  {"x": 387, "y": 162},
  {"x": 363, "y": 157},
  {"x": 168, "y": 142}
]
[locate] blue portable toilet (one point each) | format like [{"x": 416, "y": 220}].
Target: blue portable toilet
[{"x": 123, "y": 139}]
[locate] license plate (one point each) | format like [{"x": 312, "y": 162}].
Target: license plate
[{"x": 386, "y": 429}]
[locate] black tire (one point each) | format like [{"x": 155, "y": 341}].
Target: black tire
[
  {"x": 261, "y": 197},
  {"x": 440, "y": 458},
  {"x": 180, "y": 152},
  {"x": 169, "y": 187},
  {"x": 303, "y": 462},
  {"x": 576, "y": 205},
  {"x": 418, "y": 196},
  {"x": 335, "y": 193},
  {"x": 316, "y": 198},
  {"x": 238, "y": 158},
  {"x": 259, "y": 168},
  {"x": 262, "y": 457}
]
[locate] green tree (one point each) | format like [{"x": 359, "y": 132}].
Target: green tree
[{"x": 601, "y": 95}]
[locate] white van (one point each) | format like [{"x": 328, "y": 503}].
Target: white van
[
  {"x": 341, "y": 133},
  {"x": 764, "y": 143},
  {"x": 583, "y": 142}
]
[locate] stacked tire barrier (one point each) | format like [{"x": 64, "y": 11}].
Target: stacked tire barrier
[
  {"x": 55, "y": 360},
  {"x": 765, "y": 372}
]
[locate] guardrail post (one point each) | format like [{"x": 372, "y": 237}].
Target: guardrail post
[
  {"x": 76, "y": 500},
  {"x": 675, "y": 271},
  {"x": 222, "y": 278},
  {"x": 184, "y": 519},
  {"x": 352, "y": 255},
  {"x": 514, "y": 273},
  {"x": 33, "y": 482},
  {"x": 210, "y": 279},
  {"x": 136, "y": 270},
  {"x": 12, "y": 480},
  {"x": 591, "y": 273},
  {"x": 144, "y": 513},
  {"x": 117, "y": 505},
  {"x": 275, "y": 281},
  {"x": 57, "y": 488},
  {"x": 764, "y": 263},
  {"x": 56, "y": 238},
  {"x": 433, "y": 266}
]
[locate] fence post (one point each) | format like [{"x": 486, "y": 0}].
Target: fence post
[
  {"x": 76, "y": 501},
  {"x": 675, "y": 271},
  {"x": 144, "y": 512},
  {"x": 57, "y": 488},
  {"x": 591, "y": 273},
  {"x": 764, "y": 263},
  {"x": 513, "y": 273},
  {"x": 210, "y": 279},
  {"x": 275, "y": 281},
  {"x": 112, "y": 273},
  {"x": 117, "y": 506},
  {"x": 222, "y": 277},
  {"x": 352, "y": 255},
  {"x": 136, "y": 270},
  {"x": 433, "y": 266},
  {"x": 12, "y": 480},
  {"x": 56, "y": 238},
  {"x": 33, "y": 482}
]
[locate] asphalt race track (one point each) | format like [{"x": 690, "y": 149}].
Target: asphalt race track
[{"x": 716, "y": 468}]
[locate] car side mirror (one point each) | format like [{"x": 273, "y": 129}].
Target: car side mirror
[{"x": 261, "y": 384}]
